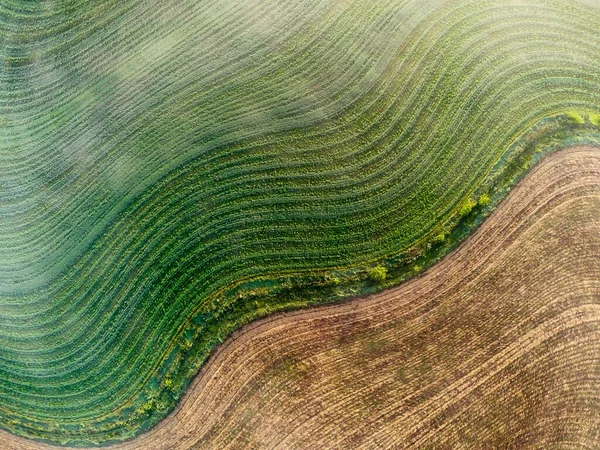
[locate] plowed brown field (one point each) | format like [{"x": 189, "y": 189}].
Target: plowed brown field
[{"x": 497, "y": 346}]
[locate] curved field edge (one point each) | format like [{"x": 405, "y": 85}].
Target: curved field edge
[
  {"x": 201, "y": 335},
  {"x": 484, "y": 351},
  {"x": 163, "y": 383},
  {"x": 547, "y": 140}
]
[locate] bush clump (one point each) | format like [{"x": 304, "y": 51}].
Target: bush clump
[
  {"x": 377, "y": 274},
  {"x": 439, "y": 238},
  {"x": 575, "y": 117},
  {"x": 484, "y": 200},
  {"x": 466, "y": 207}
]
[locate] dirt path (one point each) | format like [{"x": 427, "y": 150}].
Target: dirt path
[{"x": 497, "y": 346}]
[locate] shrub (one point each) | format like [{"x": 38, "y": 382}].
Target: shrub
[
  {"x": 595, "y": 119},
  {"x": 147, "y": 406},
  {"x": 439, "y": 238},
  {"x": 377, "y": 274},
  {"x": 466, "y": 207},
  {"x": 575, "y": 117},
  {"x": 484, "y": 200}
]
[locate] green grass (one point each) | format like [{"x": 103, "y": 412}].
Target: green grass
[{"x": 171, "y": 171}]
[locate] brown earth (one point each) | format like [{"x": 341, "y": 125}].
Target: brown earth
[{"x": 495, "y": 347}]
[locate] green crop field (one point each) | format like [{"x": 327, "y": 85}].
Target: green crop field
[{"x": 171, "y": 170}]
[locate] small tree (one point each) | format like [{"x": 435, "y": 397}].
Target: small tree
[{"x": 377, "y": 274}]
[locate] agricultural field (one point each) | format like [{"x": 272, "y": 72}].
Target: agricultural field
[
  {"x": 172, "y": 171},
  {"x": 515, "y": 367}
]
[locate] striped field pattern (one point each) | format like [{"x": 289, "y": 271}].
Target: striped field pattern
[
  {"x": 165, "y": 166},
  {"x": 500, "y": 351}
]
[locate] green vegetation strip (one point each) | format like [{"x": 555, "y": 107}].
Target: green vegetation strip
[{"x": 172, "y": 170}]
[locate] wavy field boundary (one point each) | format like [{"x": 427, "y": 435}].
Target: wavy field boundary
[
  {"x": 498, "y": 351},
  {"x": 172, "y": 170}
]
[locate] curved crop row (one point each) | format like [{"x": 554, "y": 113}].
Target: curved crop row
[
  {"x": 171, "y": 171},
  {"x": 478, "y": 352}
]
